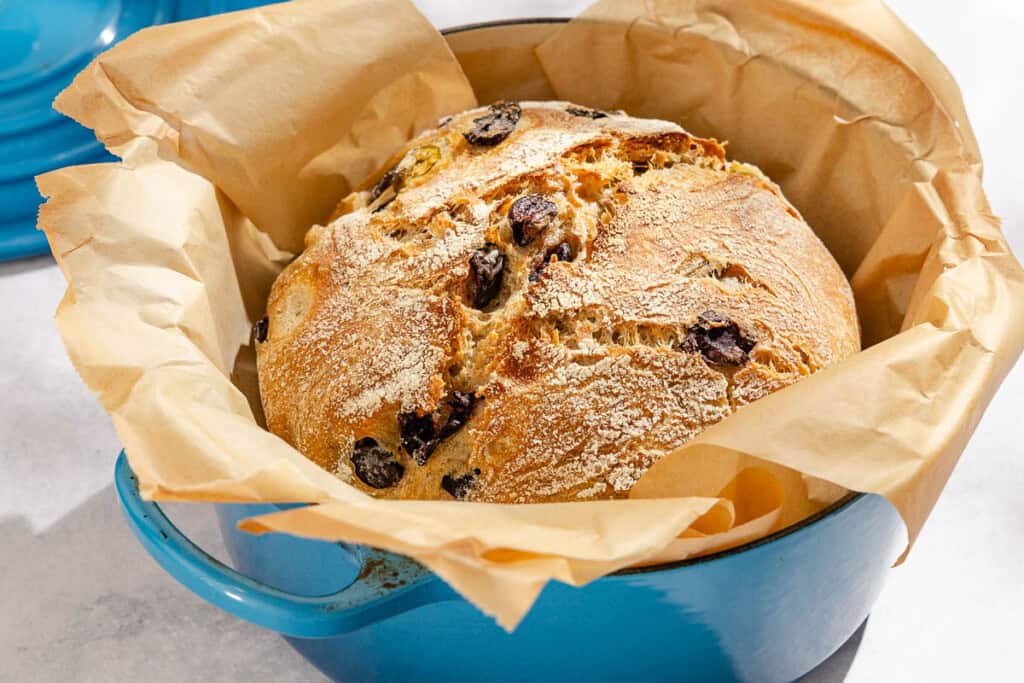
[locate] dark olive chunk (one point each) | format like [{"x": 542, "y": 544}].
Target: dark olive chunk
[
  {"x": 459, "y": 487},
  {"x": 486, "y": 270},
  {"x": 261, "y": 329},
  {"x": 375, "y": 465},
  {"x": 562, "y": 252},
  {"x": 387, "y": 187},
  {"x": 385, "y": 183},
  {"x": 421, "y": 434},
  {"x": 460, "y": 406},
  {"x": 494, "y": 126},
  {"x": 587, "y": 113},
  {"x": 530, "y": 216},
  {"x": 718, "y": 339}
]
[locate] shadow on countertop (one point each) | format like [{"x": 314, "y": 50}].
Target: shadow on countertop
[
  {"x": 26, "y": 264},
  {"x": 83, "y": 601},
  {"x": 835, "y": 668}
]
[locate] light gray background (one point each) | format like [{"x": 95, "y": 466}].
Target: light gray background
[{"x": 80, "y": 600}]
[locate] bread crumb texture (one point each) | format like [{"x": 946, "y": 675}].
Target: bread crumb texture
[{"x": 536, "y": 301}]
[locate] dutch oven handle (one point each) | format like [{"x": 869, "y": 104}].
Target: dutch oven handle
[{"x": 363, "y": 602}]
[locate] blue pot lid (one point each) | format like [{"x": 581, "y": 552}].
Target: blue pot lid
[{"x": 43, "y": 44}]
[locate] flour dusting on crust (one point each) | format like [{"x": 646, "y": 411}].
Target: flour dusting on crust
[{"x": 670, "y": 288}]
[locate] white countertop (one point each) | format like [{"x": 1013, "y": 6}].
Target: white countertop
[{"x": 81, "y": 600}]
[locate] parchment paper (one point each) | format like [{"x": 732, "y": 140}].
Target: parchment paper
[{"x": 240, "y": 131}]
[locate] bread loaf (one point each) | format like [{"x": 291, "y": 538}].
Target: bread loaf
[{"x": 536, "y": 301}]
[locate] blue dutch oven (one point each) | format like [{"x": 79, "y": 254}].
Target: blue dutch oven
[{"x": 767, "y": 611}]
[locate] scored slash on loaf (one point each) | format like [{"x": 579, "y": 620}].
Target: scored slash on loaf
[{"x": 536, "y": 301}]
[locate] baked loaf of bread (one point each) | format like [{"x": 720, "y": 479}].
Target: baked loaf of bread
[{"x": 537, "y": 301}]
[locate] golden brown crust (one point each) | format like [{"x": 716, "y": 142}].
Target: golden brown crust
[{"x": 585, "y": 370}]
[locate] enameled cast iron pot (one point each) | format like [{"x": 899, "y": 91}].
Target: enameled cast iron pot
[{"x": 767, "y": 611}]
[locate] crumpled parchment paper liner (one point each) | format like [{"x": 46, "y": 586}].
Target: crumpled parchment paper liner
[
  {"x": 239, "y": 131},
  {"x": 865, "y": 131},
  {"x": 325, "y": 91}
]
